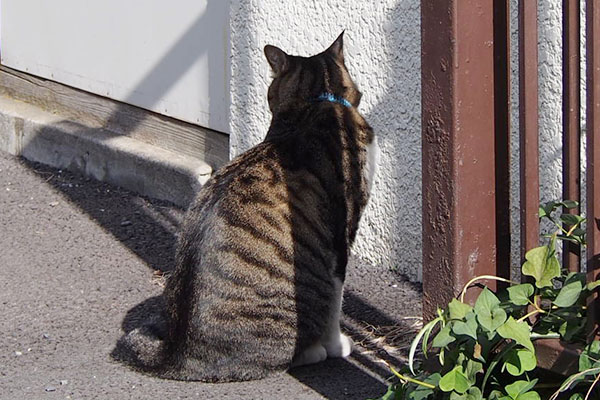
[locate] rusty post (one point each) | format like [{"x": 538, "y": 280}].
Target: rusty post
[
  {"x": 528, "y": 124},
  {"x": 571, "y": 115},
  {"x": 593, "y": 155},
  {"x": 457, "y": 67}
]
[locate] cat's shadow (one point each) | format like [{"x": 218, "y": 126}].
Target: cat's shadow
[{"x": 357, "y": 377}]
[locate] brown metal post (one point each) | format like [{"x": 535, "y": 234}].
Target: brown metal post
[
  {"x": 593, "y": 155},
  {"x": 571, "y": 115},
  {"x": 457, "y": 67},
  {"x": 528, "y": 124}
]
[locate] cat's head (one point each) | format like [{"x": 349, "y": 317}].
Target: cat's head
[{"x": 298, "y": 80}]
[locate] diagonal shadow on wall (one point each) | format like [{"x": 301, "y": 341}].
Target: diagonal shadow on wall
[{"x": 164, "y": 75}]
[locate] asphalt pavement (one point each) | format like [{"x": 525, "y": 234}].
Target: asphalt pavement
[{"x": 81, "y": 261}]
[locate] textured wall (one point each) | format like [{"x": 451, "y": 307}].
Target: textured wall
[
  {"x": 383, "y": 55},
  {"x": 382, "y": 48},
  {"x": 550, "y": 98}
]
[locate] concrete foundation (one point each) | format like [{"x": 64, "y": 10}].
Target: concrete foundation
[{"x": 52, "y": 139}]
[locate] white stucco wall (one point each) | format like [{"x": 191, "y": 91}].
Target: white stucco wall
[
  {"x": 383, "y": 55},
  {"x": 382, "y": 49}
]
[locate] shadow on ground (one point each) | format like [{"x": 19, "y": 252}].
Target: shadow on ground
[
  {"x": 148, "y": 228},
  {"x": 362, "y": 376}
]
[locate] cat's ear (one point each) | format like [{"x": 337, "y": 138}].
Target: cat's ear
[
  {"x": 277, "y": 58},
  {"x": 337, "y": 48}
]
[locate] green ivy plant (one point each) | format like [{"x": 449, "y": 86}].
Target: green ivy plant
[{"x": 486, "y": 351}]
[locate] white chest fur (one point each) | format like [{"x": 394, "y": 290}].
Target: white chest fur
[{"x": 372, "y": 162}]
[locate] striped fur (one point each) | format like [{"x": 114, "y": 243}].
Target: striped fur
[{"x": 263, "y": 250}]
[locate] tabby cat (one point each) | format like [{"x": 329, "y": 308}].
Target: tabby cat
[{"x": 262, "y": 255}]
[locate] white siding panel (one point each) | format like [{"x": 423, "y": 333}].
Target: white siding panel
[{"x": 168, "y": 57}]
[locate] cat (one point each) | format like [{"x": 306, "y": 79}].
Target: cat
[{"x": 263, "y": 248}]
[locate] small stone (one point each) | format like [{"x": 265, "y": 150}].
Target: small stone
[
  {"x": 54, "y": 204},
  {"x": 63, "y": 382},
  {"x": 18, "y": 353},
  {"x": 50, "y": 388},
  {"x": 125, "y": 223},
  {"x": 46, "y": 336}
]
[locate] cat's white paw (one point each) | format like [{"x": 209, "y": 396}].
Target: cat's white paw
[
  {"x": 312, "y": 355},
  {"x": 340, "y": 346}
]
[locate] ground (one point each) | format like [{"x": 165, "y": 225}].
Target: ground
[{"x": 78, "y": 258}]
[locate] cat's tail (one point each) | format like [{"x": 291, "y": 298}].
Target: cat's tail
[
  {"x": 143, "y": 348},
  {"x": 146, "y": 349}
]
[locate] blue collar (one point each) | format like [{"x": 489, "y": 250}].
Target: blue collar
[{"x": 333, "y": 99}]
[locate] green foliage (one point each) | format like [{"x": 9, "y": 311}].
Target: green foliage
[
  {"x": 486, "y": 351},
  {"x": 455, "y": 380},
  {"x": 519, "y": 361},
  {"x": 519, "y": 331},
  {"x": 521, "y": 390},
  {"x": 489, "y": 313},
  {"x": 542, "y": 265},
  {"x": 520, "y": 294}
]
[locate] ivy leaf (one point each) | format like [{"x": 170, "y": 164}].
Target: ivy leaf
[
  {"x": 592, "y": 285},
  {"x": 569, "y": 203},
  {"x": 443, "y": 338},
  {"x": 549, "y": 207},
  {"x": 419, "y": 393},
  {"x": 471, "y": 369},
  {"x": 489, "y": 313},
  {"x": 590, "y": 356},
  {"x": 575, "y": 276},
  {"x": 519, "y": 361},
  {"x": 422, "y": 392},
  {"x": 529, "y": 396},
  {"x": 520, "y": 294},
  {"x": 497, "y": 395},
  {"x": 542, "y": 266},
  {"x": 472, "y": 394},
  {"x": 571, "y": 219},
  {"x": 576, "y": 396},
  {"x": 571, "y": 327},
  {"x": 394, "y": 392},
  {"x": 458, "y": 309},
  {"x": 517, "y": 331},
  {"x": 468, "y": 328},
  {"x": 455, "y": 380},
  {"x": 569, "y": 294},
  {"x": 520, "y": 390},
  {"x": 542, "y": 213}
]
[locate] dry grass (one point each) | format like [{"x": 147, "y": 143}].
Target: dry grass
[
  {"x": 159, "y": 278},
  {"x": 394, "y": 340}
]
